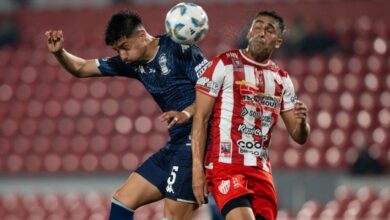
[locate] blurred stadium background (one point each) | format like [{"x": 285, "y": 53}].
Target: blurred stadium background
[{"x": 66, "y": 144}]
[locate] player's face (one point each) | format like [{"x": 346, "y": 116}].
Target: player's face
[
  {"x": 131, "y": 49},
  {"x": 264, "y": 36}
]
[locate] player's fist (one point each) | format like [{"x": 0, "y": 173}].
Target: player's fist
[
  {"x": 55, "y": 40},
  {"x": 301, "y": 112}
]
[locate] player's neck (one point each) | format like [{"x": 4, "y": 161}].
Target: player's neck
[
  {"x": 151, "y": 48},
  {"x": 260, "y": 58}
]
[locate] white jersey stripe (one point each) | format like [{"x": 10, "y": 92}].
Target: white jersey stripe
[
  {"x": 227, "y": 106},
  {"x": 269, "y": 82},
  {"x": 249, "y": 122}
]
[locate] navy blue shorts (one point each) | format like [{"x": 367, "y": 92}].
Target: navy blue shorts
[{"x": 170, "y": 170}]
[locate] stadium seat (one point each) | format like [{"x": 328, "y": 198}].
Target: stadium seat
[
  {"x": 78, "y": 144},
  {"x": 104, "y": 126},
  {"x": 52, "y": 108},
  {"x": 156, "y": 141},
  {"x": 130, "y": 161},
  {"x": 79, "y": 90},
  {"x": 97, "y": 89},
  {"x": 314, "y": 158},
  {"x": 317, "y": 65},
  {"x": 85, "y": 126},
  {"x": 71, "y": 107},
  {"x": 90, "y": 162},
  {"x": 147, "y": 106},
  {"x": 332, "y": 210},
  {"x": 90, "y": 107},
  {"x": 28, "y": 127},
  {"x": 71, "y": 162},
  {"x": 354, "y": 210},
  {"x": 128, "y": 107},
  {"x": 143, "y": 124},
  {"x": 23, "y": 92},
  {"x": 116, "y": 88},
  {"x": 119, "y": 143},
  {"x": 110, "y": 107},
  {"x": 310, "y": 210},
  {"x": 66, "y": 126},
  {"x": 42, "y": 91}
]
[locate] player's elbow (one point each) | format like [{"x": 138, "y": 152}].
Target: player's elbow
[{"x": 301, "y": 141}]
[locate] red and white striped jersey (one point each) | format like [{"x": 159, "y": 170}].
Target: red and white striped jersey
[{"x": 249, "y": 98}]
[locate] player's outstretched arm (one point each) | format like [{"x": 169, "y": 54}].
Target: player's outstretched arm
[
  {"x": 77, "y": 66},
  {"x": 296, "y": 122},
  {"x": 176, "y": 117},
  {"x": 204, "y": 105}
]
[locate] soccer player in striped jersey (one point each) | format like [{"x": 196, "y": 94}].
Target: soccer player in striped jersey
[
  {"x": 169, "y": 72},
  {"x": 244, "y": 92}
]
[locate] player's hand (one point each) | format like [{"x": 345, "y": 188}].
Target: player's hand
[
  {"x": 173, "y": 118},
  {"x": 55, "y": 40},
  {"x": 300, "y": 112},
  {"x": 199, "y": 185}
]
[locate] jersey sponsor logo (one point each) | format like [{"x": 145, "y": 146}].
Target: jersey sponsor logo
[
  {"x": 144, "y": 69},
  {"x": 201, "y": 67},
  {"x": 224, "y": 186},
  {"x": 162, "y": 61},
  {"x": 294, "y": 99},
  {"x": 208, "y": 84},
  {"x": 209, "y": 166},
  {"x": 249, "y": 131},
  {"x": 264, "y": 102},
  {"x": 267, "y": 101},
  {"x": 252, "y": 147},
  {"x": 232, "y": 55},
  {"x": 247, "y": 88},
  {"x": 265, "y": 120},
  {"x": 225, "y": 149},
  {"x": 184, "y": 47},
  {"x": 244, "y": 111}
]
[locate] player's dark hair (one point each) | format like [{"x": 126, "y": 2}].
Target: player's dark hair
[
  {"x": 122, "y": 24},
  {"x": 275, "y": 16}
]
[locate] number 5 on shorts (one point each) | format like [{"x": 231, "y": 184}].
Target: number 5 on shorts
[{"x": 172, "y": 179}]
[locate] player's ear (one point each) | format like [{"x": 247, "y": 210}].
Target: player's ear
[
  {"x": 141, "y": 34},
  {"x": 279, "y": 42}
]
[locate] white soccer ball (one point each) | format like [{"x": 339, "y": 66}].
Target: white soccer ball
[{"x": 186, "y": 23}]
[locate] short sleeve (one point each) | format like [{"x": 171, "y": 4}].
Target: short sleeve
[
  {"x": 288, "y": 96},
  {"x": 211, "y": 81},
  {"x": 114, "y": 66},
  {"x": 193, "y": 61}
]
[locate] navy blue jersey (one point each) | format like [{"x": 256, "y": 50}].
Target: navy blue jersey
[{"x": 170, "y": 77}]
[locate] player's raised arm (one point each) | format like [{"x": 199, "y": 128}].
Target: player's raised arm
[{"x": 77, "y": 66}]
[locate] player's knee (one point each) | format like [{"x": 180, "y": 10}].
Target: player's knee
[{"x": 182, "y": 211}]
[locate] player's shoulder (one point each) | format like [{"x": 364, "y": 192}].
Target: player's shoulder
[
  {"x": 169, "y": 44},
  {"x": 274, "y": 67},
  {"x": 227, "y": 57},
  {"x": 166, "y": 41}
]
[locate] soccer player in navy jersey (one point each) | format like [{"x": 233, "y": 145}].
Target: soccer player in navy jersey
[{"x": 169, "y": 72}]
